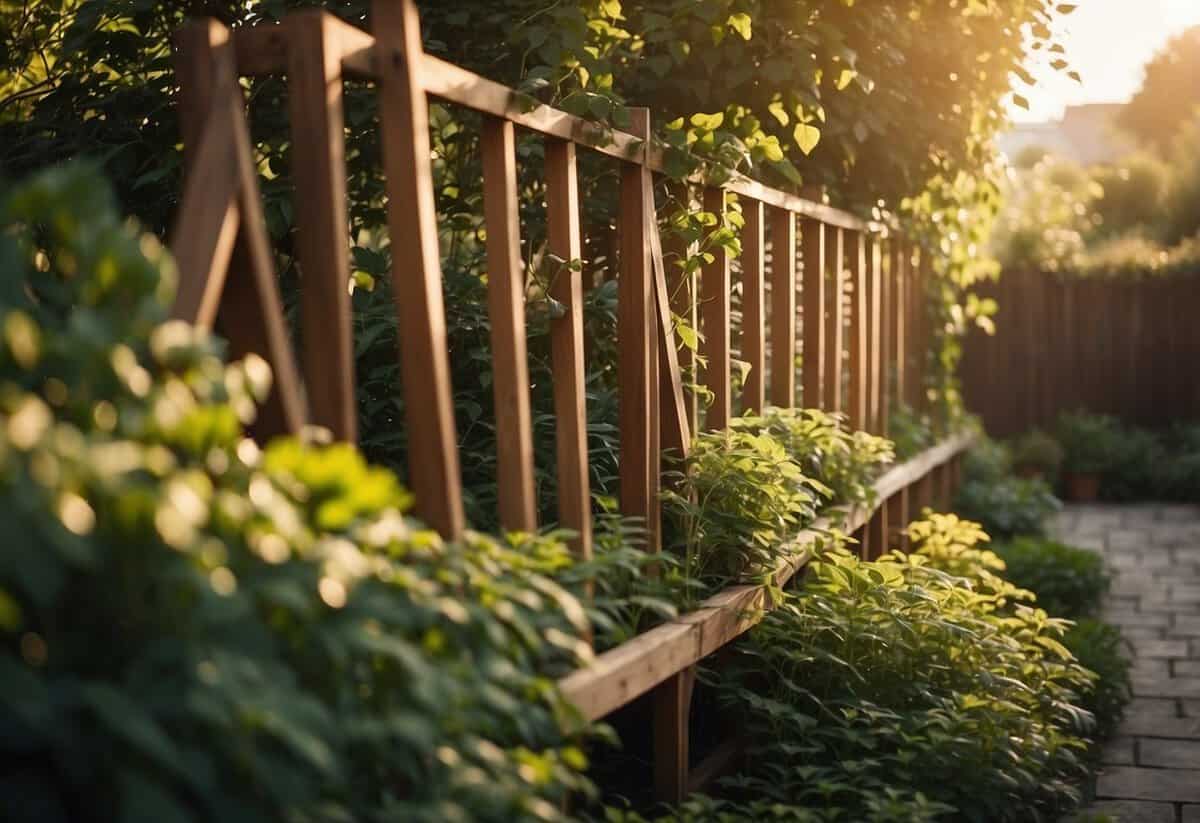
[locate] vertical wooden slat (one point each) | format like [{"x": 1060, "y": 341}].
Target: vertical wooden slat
[
  {"x": 897, "y": 516},
  {"x": 835, "y": 320},
  {"x": 874, "y": 334},
  {"x": 566, "y": 346},
  {"x": 715, "y": 289},
  {"x": 314, "y": 78},
  {"x": 416, "y": 268},
  {"x": 783, "y": 308},
  {"x": 672, "y": 707},
  {"x": 887, "y": 289},
  {"x": 898, "y": 312},
  {"x": 506, "y": 310},
  {"x": 858, "y": 396},
  {"x": 635, "y": 328},
  {"x": 753, "y": 311},
  {"x": 812, "y": 239},
  {"x": 878, "y": 538}
]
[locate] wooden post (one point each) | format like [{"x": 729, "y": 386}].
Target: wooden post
[
  {"x": 314, "y": 78},
  {"x": 878, "y": 536},
  {"x": 416, "y": 267},
  {"x": 672, "y": 708},
  {"x": 566, "y": 346},
  {"x": 753, "y": 298},
  {"x": 506, "y": 310},
  {"x": 635, "y": 335},
  {"x": 783, "y": 308},
  {"x": 897, "y": 520},
  {"x": 859, "y": 394},
  {"x": 812, "y": 238},
  {"x": 715, "y": 288},
  {"x": 887, "y": 317},
  {"x": 875, "y": 378},
  {"x": 899, "y": 313},
  {"x": 835, "y": 318}
]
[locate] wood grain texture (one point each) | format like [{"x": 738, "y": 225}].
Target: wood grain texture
[
  {"x": 835, "y": 319},
  {"x": 714, "y": 311},
  {"x": 676, "y": 420},
  {"x": 566, "y": 346},
  {"x": 875, "y": 375},
  {"x": 898, "y": 312},
  {"x": 416, "y": 268},
  {"x": 322, "y": 236},
  {"x": 506, "y": 311},
  {"x": 858, "y": 397},
  {"x": 635, "y": 337},
  {"x": 812, "y": 239},
  {"x": 754, "y": 346},
  {"x": 783, "y": 308},
  {"x": 672, "y": 711}
]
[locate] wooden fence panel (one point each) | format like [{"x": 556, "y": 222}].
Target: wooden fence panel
[
  {"x": 783, "y": 308},
  {"x": 754, "y": 349},
  {"x": 812, "y": 238}
]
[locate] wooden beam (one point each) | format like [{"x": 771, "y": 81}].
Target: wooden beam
[
  {"x": 835, "y": 320},
  {"x": 715, "y": 287},
  {"x": 753, "y": 309},
  {"x": 812, "y": 239},
  {"x": 416, "y": 268},
  {"x": 566, "y": 346},
  {"x": 322, "y": 236},
  {"x": 783, "y": 308}
]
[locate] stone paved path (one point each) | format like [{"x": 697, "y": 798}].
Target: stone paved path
[{"x": 1151, "y": 771}]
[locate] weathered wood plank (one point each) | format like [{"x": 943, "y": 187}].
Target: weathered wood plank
[
  {"x": 858, "y": 398},
  {"x": 564, "y": 240},
  {"x": 754, "y": 392},
  {"x": 416, "y": 268},
  {"x": 715, "y": 287},
  {"x": 783, "y": 308},
  {"x": 812, "y": 239}
]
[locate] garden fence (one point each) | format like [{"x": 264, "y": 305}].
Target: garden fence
[
  {"x": 842, "y": 295},
  {"x": 1121, "y": 347}
]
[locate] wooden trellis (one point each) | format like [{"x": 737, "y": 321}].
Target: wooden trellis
[{"x": 857, "y": 286}]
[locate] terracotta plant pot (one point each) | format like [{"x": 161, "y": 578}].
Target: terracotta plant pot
[{"x": 1082, "y": 488}]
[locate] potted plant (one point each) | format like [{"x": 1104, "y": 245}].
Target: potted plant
[
  {"x": 1037, "y": 454},
  {"x": 1089, "y": 442}
]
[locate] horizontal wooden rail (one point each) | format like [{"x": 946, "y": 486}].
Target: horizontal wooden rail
[
  {"x": 262, "y": 50},
  {"x": 632, "y": 669}
]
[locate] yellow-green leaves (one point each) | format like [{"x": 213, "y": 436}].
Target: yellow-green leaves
[{"x": 807, "y": 136}]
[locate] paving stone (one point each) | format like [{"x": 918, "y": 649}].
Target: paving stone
[
  {"x": 1134, "y": 783},
  {"x": 1185, "y": 668},
  {"x": 1133, "y": 811},
  {"x": 1118, "y": 752},
  {"x": 1178, "y": 728},
  {"x": 1151, "y": 648},
  {"x": 1151, "y": 707},
  {"x": 1184, "y": 594},
  {"x": 1191, "y": 814},
  {"x": 1145, "y": 669},
  {"x": 1179, "y": 513},
  {"x": 1169, "y": 754},
  {"x": 1188, "y": 624},
  {"x": 1167, "y": 687},
  {"x": 1191, "y": 708},
  {"x": 1142, "y": 634},
  {"x": 1132, "y": 619}
]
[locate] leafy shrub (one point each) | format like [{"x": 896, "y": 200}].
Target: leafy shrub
[
  {"x": 1068, "y": 582},
  {"x": 1097, "y": 647},
  {"x": 738, "y": 499},
  {"x": 846, "y": 462},
  {"x": 897, "y": 680},
  {"x": 1089, "y": 441},
  {"x": 1039, "y": 453},
  {"x": 1005, "y": 505},
  {"x": 912, "y": 433},
  {"x": 194, "y": 629}
]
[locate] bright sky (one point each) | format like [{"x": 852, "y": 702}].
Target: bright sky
[{"x": 1108, "y": 42}]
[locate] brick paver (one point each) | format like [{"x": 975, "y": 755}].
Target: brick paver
[{"x": 1151, "y": 770}]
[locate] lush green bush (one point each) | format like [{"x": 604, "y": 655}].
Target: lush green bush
[
  {"x": 895, "y": 680},
  {"x": 846, "y": 462},
  {"x": 735, "y": 504},
  {"x": 1006, "y": 505},
  {"x": 1089, "y": 441},
  {"x": 1038, "y": 453},
  {"x": 1097, "y": 646},
  {"x": 1068, "y": 582},
  {"x": 195, "y": 629},
  {"x": 911, "y": 432}
]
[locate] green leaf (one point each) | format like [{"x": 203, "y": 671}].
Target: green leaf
[
  {"x": 741, "y": 24},
  {"x": 807, "y": 137}
]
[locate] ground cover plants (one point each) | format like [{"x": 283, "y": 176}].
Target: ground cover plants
[
  {"x": 1005, "y": 503},
  {"x": 920, "y": 687}
]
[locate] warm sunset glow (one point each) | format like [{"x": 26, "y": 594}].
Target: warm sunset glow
[{"x": 1108, "y": 42}]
